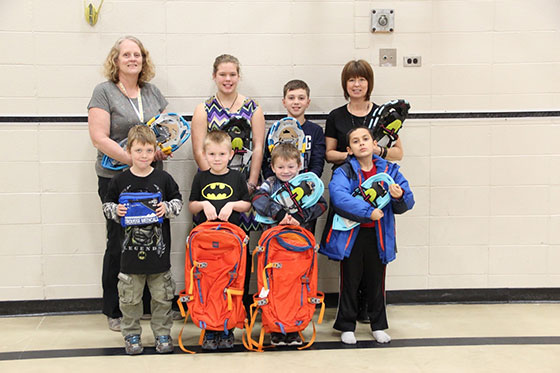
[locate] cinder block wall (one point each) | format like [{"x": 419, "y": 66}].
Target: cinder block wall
[{"x": 487, "y": 190}]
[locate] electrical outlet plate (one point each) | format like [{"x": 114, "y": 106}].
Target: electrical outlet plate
[
  {"x": 412, "y": 61},
  {"x": 388, "y": 57},
  {"x": 382, "y": 20}
]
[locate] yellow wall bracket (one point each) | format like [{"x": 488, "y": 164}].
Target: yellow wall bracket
[{"x": 92, "y": 13}]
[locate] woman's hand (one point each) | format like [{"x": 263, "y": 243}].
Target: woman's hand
[{"x": 161, "y": 156}]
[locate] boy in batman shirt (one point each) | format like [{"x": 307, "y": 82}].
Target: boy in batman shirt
[{"x": 219, "y": 194}]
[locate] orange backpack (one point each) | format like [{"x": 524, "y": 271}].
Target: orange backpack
[
  {"x": 287, "y": 283},
  {"x": 214, "y": 276}
]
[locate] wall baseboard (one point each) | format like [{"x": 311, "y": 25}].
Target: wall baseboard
[{"x": 433, "y": 296}]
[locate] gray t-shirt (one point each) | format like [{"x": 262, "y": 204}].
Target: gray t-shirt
[{"x": 108, "y": 96}]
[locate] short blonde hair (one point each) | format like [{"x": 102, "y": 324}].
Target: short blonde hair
[
  {"x": 225, "y": 58},
  {"x": 286, "y": 151},
  {"x": 216, "y": 137},
  {"x": 141, "y": 134},
  {"x": 111, "y": 68}
]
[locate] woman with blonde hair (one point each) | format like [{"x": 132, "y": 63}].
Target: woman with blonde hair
[{"x": 116, "y": 105}]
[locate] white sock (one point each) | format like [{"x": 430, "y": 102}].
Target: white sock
[
  {"x": 348, "y": 337},
  {"x": 381, "y": 337}
]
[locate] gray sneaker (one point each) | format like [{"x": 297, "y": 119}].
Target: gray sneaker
[
  {"x": 133, "y": 344},
  {"x": 114, "y": 323},
  {"x": 210, "y": 341},
  {"x": 164, "y": 344},
  {"x": 226, "y": 341}
]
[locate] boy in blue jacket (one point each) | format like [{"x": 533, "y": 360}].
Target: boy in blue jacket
[{"x": 372, "y": 243}]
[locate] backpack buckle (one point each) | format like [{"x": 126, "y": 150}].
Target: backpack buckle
[
  {"x": 314, "y": 300},
  {"x": 262, "y": 302}
]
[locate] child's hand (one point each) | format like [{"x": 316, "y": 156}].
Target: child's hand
[
  {"x": 395, "y": 190},
  {"x": 292, "y": 220},
  {"x": 209, "y": 211},
  {"x": 225, "y": 212},
  {"x": 121, "y": 210},
  {"x": 376, "y": 214},
  {"x": 160, "y": 210},
  {"x": 285, "y": 220}
]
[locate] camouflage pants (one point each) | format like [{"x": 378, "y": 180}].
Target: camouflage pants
[{"x": 162, "y": 289}]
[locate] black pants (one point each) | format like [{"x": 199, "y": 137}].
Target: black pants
[
  {"x": 363, "y": 263},
  {"x": 112, "y": 263}
]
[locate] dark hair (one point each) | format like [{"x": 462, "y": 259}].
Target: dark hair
[
  {"x": 357, "y": 69},
  {"x": 296, "y": 84},
  {"x": 287, "y": 151},
  {"x": 354, "y": 130}
]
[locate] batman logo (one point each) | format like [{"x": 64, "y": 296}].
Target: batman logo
[{"x": 217, "y": 191}]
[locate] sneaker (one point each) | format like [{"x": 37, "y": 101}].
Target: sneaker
[
  {"x": 164, "y": 344},
  {"x": 210, "y": 341},
  {"x": 277, "y": 339},
  {"x": 114, "y": 323},
  {"x": 133, "y": 344},
  {"x": 226, "y": 341},
  {"x": 293, "y": 339}
]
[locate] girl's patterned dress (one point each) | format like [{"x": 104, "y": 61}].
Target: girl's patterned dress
[{"x": 217, "y": 116}]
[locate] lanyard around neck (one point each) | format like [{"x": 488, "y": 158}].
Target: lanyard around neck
[{"x": 140, "y": 110}]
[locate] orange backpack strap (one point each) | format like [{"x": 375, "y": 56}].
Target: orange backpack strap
[
  {"x": 247, "y": 338},
  {"x": 186, "y": 316},
  {"x": 320, "y": 298}
]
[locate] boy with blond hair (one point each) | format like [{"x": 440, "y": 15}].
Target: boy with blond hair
[
  {"x": 285, "y": 163},
  {"x": 145, "y": 253},
  {"x": 219, "y": 194}
]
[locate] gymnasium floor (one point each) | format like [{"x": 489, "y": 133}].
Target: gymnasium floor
[{"x": 426, "y": 338}]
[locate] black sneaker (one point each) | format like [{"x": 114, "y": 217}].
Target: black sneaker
[
  {"x": 225, "y": 341},
  {"x": 293, "y": 339},
  {"x": 277, "y": 339},
  {"x": 133, "y": 344},
  {"x": 210, "y": 341}
]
